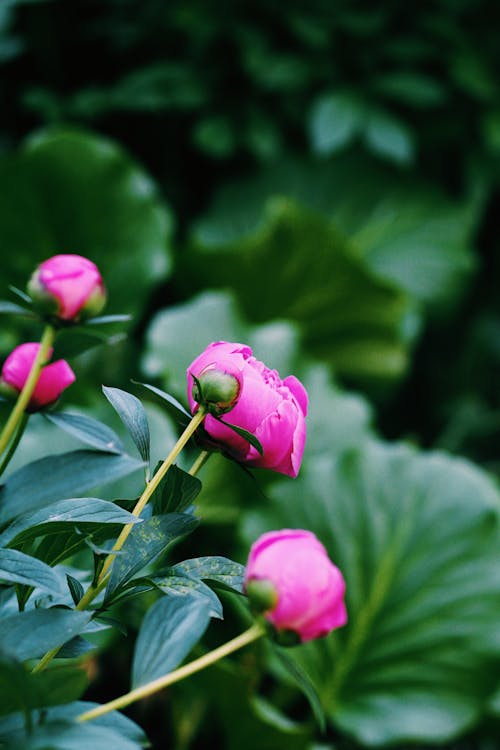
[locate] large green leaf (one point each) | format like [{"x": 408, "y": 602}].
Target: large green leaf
[
  {"x": 416, "y": 537},
  {"x": 57, "y": 477},
  {"x": 171, "y": 628},
  {"x": 76, "y": 192},
  {"x": 86, "y": 513},
  {"x": 406, "y": 231},
  {"x": 17, "y": 567},
  {"x": 145, "y": 542},
  {"x": 29, "y": 635},
  {"x": 348, "y": 316}
]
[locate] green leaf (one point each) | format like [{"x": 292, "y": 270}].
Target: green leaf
[
  {"x": 56, "y": 477},
  {"x": 177, "y": 335},
  {"x": 244, "y": 434},
  {"x": 176, "y": 491},
  {"x": 75, "y": 588},
  {"x": 88, "y": 430},
  {"x": 58, "y": 735},
  {"x": 173, "y": 581},
  {"x": 88, "y": 513},
  {"x": 72, "y": 342},
  {"x": 20, "y": 690},
  {"x": 416, "y": 537},
  {"x": 145, "y": 542},
  {"x": 171, "y": 628},
  {"x": 17, "y": 567},
  {"x": 404, "y": 230},
  {"x": 411, "y": 88},
  {"x": 349, "y": 317},
  {"x": 131, "y": 412},
  {"x": 10, "y": 308},
  {"x": 218, "y": 569},
  {"x": 29, "y": 635},
  {"x": 72, "y": 189},
  {"x": 108, "y": 319},
  {"x": 388, "y": 137},
  {"x": 166, "y": 397},
  {"x": 301, "y": 678},
  {"x": 334, "y": 122},
  {"x": 114, "y": 721}
]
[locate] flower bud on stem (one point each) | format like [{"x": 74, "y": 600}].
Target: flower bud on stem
[
  {"x": 27, "y": 391},
  {"x": 151, "y": 486},
  {"x": 250, "y": 635}
]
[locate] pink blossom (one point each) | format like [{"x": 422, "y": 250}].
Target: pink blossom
[
  {"x": 53, "y": 379},
  {"x": 69, "y": 286},
  {"x": 308, "y": 589},
  {"x": 271, "y": 409}
]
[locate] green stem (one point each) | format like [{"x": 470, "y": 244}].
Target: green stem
[
  {"x": 200, "y": 461},
  {"x": 93, "y": 591},
  {"x": 151, "y": 487},
  {"x": 24, "y": 397},
  {"x": 14, "y": 442},
  {"x": 250, "y": 635}
]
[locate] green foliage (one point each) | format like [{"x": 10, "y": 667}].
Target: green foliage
[
  {"x": 132, "y": 413},
  {"x": 40, "y": 482},
  {"x": 88, "y": 430},
  {"x": 77, "y": 192},
  {"x": 417, "y": 536},
  {"x": 358, "y": 227},
  {"x": 29, "y": 635},
  {"x": 169, "y": 631},
  {"x": 146, "y": 542},
  {"x": 176, "y": 492}
]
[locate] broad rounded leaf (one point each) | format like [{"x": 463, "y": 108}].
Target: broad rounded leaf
[
  {"x": 76, "y": 192},
  {"x": 416, "y": 536}
]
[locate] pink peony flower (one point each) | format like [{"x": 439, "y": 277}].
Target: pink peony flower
[
  {"x": 53, "y": 379},
  {"x": 68, "y": 286},
  {"x": 266, "y": 406},
  {"x": 303, "y": 588}
]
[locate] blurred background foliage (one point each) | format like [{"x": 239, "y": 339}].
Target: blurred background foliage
[{"x": 322, "y": 181}]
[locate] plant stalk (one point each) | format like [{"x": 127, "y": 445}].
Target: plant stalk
[
  {"x": 250, "y": 635},
  {"x": 151, "y": 486},
  {"x": 23, "y": 399}
]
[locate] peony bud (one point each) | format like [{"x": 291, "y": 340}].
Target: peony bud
[
  {"x": 68, "y": 287},
  {"x": 292, "y": 581},
  {"x": 216, "y": 389},
  {"x": 271, "y": 409},
  {"x": 53, "y": 379}
]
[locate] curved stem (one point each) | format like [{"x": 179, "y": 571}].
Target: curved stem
[
  {"x": 252, "y": 634},
  {"x": 23, "y": 399},
  {"x": 14, "y": 442},
  {"x": 151, "y": 486}
]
